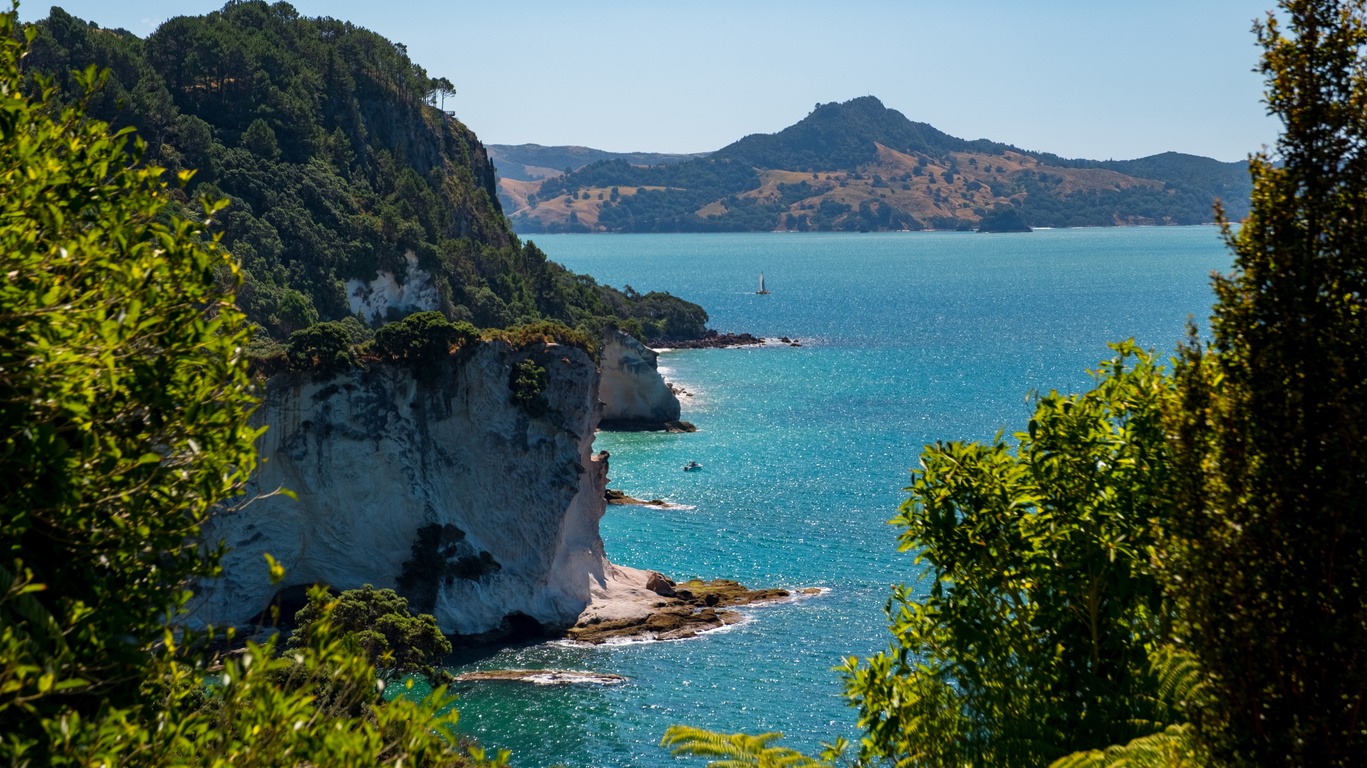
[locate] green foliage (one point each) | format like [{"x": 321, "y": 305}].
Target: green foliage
[
  {"x": 325, "y": 347},
  {"x": 422, "y": 339},
  {"x": 1002, "y": 219},
  {"x": 123, "y": 413},
  {"x": 395, "y": 642},
  {"x": 1170, "y": 748},
  {"x": 440, "y": 554},
  {"x": 336, "y": 166},
  {"x": 123, "y": 406},
  {"x": 1030, "y": 643},
  {"x": 549, "y": 332},
  {"x": 259, "y": 139},
  {"x": 1268, "y": 560},
  {"x": 317, "y": 704},
  {"x": 526, "y": 382},
  {"x": 740, "y": 750}
]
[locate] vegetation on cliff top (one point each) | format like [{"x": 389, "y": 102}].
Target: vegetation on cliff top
[{"x": 336, "y": 168}]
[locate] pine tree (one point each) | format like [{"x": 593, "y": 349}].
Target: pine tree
[{"x": 1269, "y": 562}]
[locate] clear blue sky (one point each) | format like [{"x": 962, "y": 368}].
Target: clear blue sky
[{"x": 1082, "y": 78}]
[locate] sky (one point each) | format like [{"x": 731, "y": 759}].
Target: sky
[{"x": 1096, "y": 79}]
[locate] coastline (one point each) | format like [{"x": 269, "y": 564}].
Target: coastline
[{"x": 646, "y": 605}]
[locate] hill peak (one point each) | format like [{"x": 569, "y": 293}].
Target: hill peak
[
  {"x": 859, "y": 165},
  {"x": 844, "y": 136}
]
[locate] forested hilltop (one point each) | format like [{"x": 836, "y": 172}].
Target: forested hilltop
[
  {"x": 858, "y": 165},
  {"x": 349, "y": 192}
]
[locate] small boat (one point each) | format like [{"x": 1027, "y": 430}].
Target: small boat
[
  {"x": 692, "y": 465},
  {"x": 761, "y": 291}
]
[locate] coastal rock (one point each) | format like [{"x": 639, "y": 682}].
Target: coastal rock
[
  {"x": 615, "y": 496},
  {"x": 639, "y": 613},
  {"x": 436, "y": 484},
  {"x": 714, "y": 340},
  {"x": 658, "y": 584},
  {"x": 634, "y": 395}
]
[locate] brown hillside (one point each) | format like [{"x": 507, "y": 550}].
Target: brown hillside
[{"x": 941, "y": 192}]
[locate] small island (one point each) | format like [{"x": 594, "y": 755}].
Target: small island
[{"x": 1003, "y": 220}]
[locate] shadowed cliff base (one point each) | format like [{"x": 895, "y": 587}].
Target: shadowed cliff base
[{"x": 637, "y": 425}]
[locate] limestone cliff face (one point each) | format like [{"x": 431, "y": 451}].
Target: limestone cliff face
[
  {"x": 481, "y": 510},
  {"x": 634, "y": 394}
]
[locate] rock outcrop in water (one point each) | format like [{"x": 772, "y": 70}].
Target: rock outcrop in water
[
  {"x": 634, "y": 395},
  {"x": 482, "y": 511}
]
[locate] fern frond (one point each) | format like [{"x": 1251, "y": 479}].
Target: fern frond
[
  {"x": 1180, "y": 680},
  {"x": 735, "y": 750},
  {"x": 1169, "y": 748}
]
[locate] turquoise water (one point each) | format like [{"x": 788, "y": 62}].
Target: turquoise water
[{"x": 908, "y": 338}]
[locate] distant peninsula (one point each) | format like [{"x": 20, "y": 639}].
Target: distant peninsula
[
  {"x": 855, "y": 166},
  {"x": 533, "y": 162}
]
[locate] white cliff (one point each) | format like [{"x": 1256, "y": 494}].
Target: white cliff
[
  {"x": 436, "y": 483},
  {"x": 374, "y": 299},
  {"x": 634, "y": 394}
]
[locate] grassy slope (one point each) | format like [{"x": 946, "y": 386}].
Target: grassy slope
[{"x": 862, "y": 155}]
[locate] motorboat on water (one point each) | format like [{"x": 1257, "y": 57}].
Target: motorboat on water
[{"x": 691, "y": 466}]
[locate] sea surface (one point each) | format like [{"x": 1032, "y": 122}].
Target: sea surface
[{"x": 906, "y": 339}]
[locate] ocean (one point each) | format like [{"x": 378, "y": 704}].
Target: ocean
[{"x": 906, "y": 339}]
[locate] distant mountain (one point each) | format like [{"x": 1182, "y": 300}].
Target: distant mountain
[
  {"x": 858, "y": 165},
  {"x": 530, "y": 162}
]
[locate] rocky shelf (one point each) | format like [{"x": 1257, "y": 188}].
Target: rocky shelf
[
  {"x": 713, "y": 340},
  {"x": 615, "y": 496},
  {"x": 684, "y": 610}
]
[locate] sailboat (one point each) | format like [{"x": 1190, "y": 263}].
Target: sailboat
[{"x": 761, "y": 291}]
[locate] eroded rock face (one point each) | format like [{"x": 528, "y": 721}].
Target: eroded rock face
[
  {"x": 634, "y": 394},
  {"x": 435, "y": 483}
]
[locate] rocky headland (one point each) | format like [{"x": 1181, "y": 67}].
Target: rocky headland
[
  {"x": 635, "y": 397},
  {"x": 473, "y": 498},
  {"x": 479, "y": 505}
]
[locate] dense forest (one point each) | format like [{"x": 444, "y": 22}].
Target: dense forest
[
  {"x": 337, "y": 168},
  {"x": 858, "y": 165}
]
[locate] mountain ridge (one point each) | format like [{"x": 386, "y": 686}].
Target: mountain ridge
[
  {"x": 529, "y": 162},
  {"x": 858, "y": 165}
]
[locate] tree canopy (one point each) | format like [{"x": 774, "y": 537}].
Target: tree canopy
[
  {"x": 124, "y": 398},
  {"x": 1026, "y": 639},
  {"x": 1269, "y": 556},
  {"x": 336, "y": 167}
]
